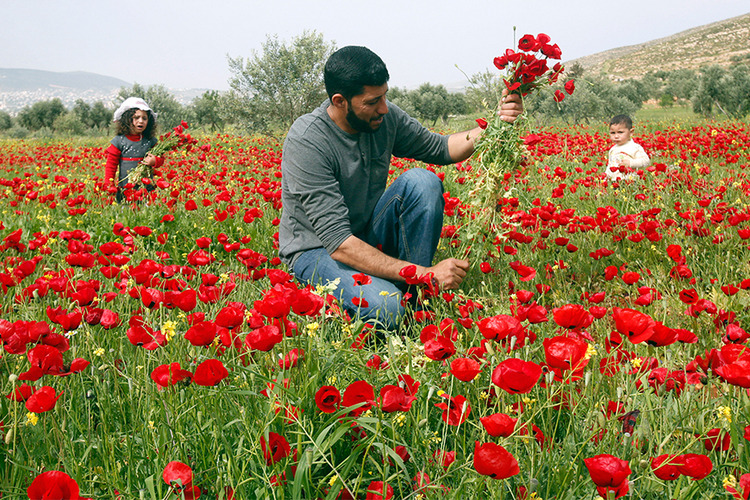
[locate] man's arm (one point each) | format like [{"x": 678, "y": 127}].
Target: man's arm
[
  {"x": 461, "y": 144},
  {"x": 357, "y": 254}
]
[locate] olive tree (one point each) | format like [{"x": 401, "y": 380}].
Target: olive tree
[{"x": 281, "y": 82}]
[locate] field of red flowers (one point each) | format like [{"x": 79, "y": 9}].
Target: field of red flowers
[{"x": 158, "y": 349}]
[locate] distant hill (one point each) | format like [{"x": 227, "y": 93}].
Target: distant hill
[
  {"x": 29, "y": 80},
  {"x": 20, "y": 88},
  {"x": 719, "y": 43}
]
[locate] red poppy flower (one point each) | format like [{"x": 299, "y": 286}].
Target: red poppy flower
[
  {"x": 736, "y": 372},
  {"x": 465, "y": 369},
  {"x": 210, "y": 372},
  {"x": 670, "y": 467},
  {"x": 493, "y": 460},
  {"x": 264, "y": 338},
  {"x": 54, "y": 484},
  {"x": 202, "y": 333},
  {"x": 609, "y": 473},
  {"x": 327, "y": 399},
  {"x": 499, "y": 327},
  {"x": 361, "y": 279},
  {"x": 44, "y": 399},
  {"x": 378, "y": 490},
  {"x": 276, "y": 448},
  {"x": 142, "y": 335},
  {"x": 455, "y": 411},
  {"x": 499, "y": 424},
  {"x": 232, "y": 315},
  {"x": 357, "y": 393},
  {"x": 525, "y": 273},
  {"x": 744, "y": 485},
  {"x": 565, "y": 353},
  {"x": 395, "y": 398},
  {"x": 572, "y": 317},
  {"x": 639, "y": 327},
  {"x": 21, "y": 393},
  {"x": 444, "y": 458},
  {"x": 177, "y": 475},
  {"x": 717, "y": 439},
  {"x": 166, "y": 375},
  {"x": 439, "y": 348},
  {"x": 516, "y": 376}
]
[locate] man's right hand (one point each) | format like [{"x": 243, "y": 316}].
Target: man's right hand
[{"x": 449, "y": 272}]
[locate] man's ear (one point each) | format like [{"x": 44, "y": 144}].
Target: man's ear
[{"x": 338, "y": 101}]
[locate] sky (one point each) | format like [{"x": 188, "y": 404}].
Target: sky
[{"x": 184, "y": 44}]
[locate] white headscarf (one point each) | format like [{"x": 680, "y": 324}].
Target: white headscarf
[{"x": 130, "y": 103}]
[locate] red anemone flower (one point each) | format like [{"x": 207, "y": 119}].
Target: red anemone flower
[
  {"x": 465, "y": 369},
  {"x": 493, "y": 460},
  {"x": 499, "y": 424},
  {"x": 516, "y": 376},
  {"x": 54, "y": 484},
  {"x": 276, "y": 448},
  {"x": 456, "y": 410},
  {"x": 44, "y": 399},
  {"x": 210, "y": 373},
  {"x": 327, "y": 399},
  {"x": 609, "y": 473}
]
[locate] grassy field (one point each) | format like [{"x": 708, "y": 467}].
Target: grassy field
[{"x": 158, "y": 349}]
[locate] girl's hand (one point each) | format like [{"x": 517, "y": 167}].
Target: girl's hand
[{"x": 149, "y": 160}]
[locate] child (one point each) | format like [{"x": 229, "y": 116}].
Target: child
[
  {"x": 136, "y": 131},
  {"x": 625, "y": 156}
]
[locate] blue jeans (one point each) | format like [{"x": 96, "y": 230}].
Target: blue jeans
[{"x": 406, "y": 224}]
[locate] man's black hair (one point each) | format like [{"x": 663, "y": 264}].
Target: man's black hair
[
  {"x": 621, "y": 120},
  {"x": 350, "y": 68}
]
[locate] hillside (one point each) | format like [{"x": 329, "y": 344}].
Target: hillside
[
  {"x": 20, "y": 88},
  {"x": 715, "y": 43},
  {"x": 29, "y": 80}
]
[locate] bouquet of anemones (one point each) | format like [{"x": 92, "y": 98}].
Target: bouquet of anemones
[
  {"x": 500, "y": 147},
  {"x": 175, "y": 139}
]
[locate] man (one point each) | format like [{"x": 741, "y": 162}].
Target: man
[{"x": 339, "y": 223}]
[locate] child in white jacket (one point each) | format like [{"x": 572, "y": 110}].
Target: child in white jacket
[{"x": 625, "y": 156}]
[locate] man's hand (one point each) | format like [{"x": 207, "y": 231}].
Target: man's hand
[
  {"x": 449, "y": 273},
  {"x": 511, "y": 107}
]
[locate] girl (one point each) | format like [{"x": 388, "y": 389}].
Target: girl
[{"x": 136, "y": 131}]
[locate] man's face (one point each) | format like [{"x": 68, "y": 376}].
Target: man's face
[
  {"x": 620, "y": 133},
  {"x": 366, "y": 110}
]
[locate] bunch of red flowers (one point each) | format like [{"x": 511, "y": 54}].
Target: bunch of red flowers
[
  {"x": 500, "y": 148},
  {"x": 177, "y": 138},
  {"x": 527, "y": 71}
]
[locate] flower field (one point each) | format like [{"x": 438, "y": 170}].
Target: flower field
[{"x": 159, "y": 349}]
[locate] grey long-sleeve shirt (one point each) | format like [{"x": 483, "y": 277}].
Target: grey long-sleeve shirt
[{"x": 332, "y": 180}]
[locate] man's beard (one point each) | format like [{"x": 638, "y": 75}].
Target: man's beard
[{"x": 358, "y": 123}]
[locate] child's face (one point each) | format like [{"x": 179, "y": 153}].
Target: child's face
[
  {"x": 619, "y": 133},
  {"x": 140, "y": 121}
]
